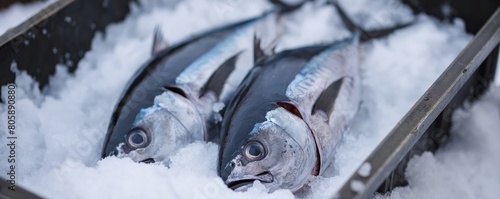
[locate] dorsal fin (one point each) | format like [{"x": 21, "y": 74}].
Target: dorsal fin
[
  {"x": 159, "y": 42},
  {"x": 219, "y": 77},
  {"x": 365, "y": 35},
  {"x": 258, "y": 52},
  {"x": 267, "y": 34},
  {"x": 290, "y": 107},
  {"x": 326, "y": 99}
]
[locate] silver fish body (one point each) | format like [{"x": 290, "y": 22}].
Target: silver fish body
[
  {"x": 175, "y": 98},
  {"x": 288, "y": 115}
]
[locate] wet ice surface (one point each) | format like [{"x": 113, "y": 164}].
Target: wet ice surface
[
  {"x": 61, "y": 129},
  {"x": 467, "y": 165},
  {"x": 17, "y": 13}
]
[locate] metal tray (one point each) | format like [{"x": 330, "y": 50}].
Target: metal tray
[{"x": 62, "y": 33}]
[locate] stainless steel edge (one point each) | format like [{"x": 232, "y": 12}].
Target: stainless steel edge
[{"x": 34, "y": 20}]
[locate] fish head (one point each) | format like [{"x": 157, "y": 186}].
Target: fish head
[
  {"x": 159, "y": 131},
  {"x": 280, "y": 153}
]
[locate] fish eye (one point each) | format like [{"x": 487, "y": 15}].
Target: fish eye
[
  {"x": 254, "y": 150},
  {"x": 137, "y": 138}
]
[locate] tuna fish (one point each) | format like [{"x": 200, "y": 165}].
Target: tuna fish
[
  {"x": 175, "y": 98},
  {"x": 289, "y": 113}
]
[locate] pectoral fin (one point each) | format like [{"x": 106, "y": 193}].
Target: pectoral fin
[
  {"x": 326, "y": 99},
  {"x": 219, "y": 77}
]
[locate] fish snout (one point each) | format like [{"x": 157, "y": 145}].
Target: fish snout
[
  {"x": 241, "y": 182},
  {"x": 245, "y": 182}
]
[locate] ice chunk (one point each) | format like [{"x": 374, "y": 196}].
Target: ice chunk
[{"x": 218, "y": 106}]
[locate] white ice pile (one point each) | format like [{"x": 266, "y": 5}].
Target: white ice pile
[
  {"x": 61, "y": 129},
  {"x": 17, "y": 13},
  {"x": 467, "y": 165}
]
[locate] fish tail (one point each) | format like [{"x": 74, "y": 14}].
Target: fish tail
[{"x": 364, "y": 34}]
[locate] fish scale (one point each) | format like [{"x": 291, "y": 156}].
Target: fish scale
[
  {"x": 198, "y": 73},
  {"x": 316, "y": 74}
]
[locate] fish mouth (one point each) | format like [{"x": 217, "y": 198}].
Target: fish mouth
[
  {"x": 240, "y": 183},
  {"x": 243, "y": 183},
  {"x": 148, "y": 161}
]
